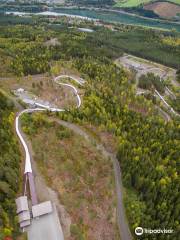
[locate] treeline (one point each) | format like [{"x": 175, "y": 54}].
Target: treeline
[
  {"x": 150, "y": 82},
  {"x": 175, "y": 103},
  {"x": 96, "y": 3},
  {"x": 31, "y": 59},
  {"x": 142, "y": 12},
  {"x": 13, "y": 20},
  {"x": 148, "y": 149},
  {"x": 9, "y": 170},
  {"x": 145, "y": 43},
  {"x": 178, "y": 75},
  {"x": 26, "y": 45}
]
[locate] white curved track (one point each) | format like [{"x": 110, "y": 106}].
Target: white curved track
[
  {"x": 28, "y": 167},
  {"x": 56, "y": 79},
  {"x": 41, "y": 107}
]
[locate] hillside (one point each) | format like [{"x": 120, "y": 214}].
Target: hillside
[
  {"x": 83, "y": 179},
  {"x": 164, "y": 9},
  {"x": 135, "y": 3},
  {"x": 112, "y": 113},
  {"x": 9, "y": 169}
]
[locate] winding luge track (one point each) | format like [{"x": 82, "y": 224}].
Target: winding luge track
[
  {"x": 125, "y": 233},
  {"x": 40, "y": 107}
]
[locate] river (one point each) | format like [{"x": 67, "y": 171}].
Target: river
[{"x": 109, "y": 16}]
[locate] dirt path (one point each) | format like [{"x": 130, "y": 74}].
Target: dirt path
[{"x": 124, "y": 230}]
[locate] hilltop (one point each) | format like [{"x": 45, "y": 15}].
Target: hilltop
[
  {"x": 136, "y": 3},
  {"x": 164, "y": 9}
]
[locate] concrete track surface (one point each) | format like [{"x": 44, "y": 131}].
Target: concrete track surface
[{"x": 46, "y": 228}]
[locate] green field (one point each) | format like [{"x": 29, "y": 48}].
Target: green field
[
  {"x": 130, "y": 3},
  {"x": 135, "y": 3},
  {"x": 175, "y": 1}
]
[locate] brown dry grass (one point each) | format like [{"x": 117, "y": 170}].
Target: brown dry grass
[
  {"x": 82, "y": 178},
  {"x": 106, "y": 138},
  {"x": 44, "y": 88},
  {"x": 163, "y": 9}
]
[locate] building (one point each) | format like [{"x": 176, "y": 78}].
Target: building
[
  {"x": 23, "y": 211},
  {"x": 42, "y": 209}
]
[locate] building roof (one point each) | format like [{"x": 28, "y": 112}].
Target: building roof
[
  {"x": 25, "y": 223},
  {"x": 24, "y": 216},
  {"x": 42, "y": 209},
  {"x": 22, "y": 204}
]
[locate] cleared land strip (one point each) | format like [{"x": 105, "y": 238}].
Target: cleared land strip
[{"x": 124, "y": 230}]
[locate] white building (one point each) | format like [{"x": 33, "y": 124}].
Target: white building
[
  {"x": 42, "y": 209},
  {"x": 23, "y": 211}
]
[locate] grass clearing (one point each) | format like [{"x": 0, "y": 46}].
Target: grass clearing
[
  {"x": 83, "y": 179},
  {"x": 44, "y": 88},
  {"x": 130, "y": 3}
]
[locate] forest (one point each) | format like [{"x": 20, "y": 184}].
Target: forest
[
  {"x": 150, "y": 81},
  {"x": 9, "y": 169},
  {"x": 146, "y": 43},
  {"x": 148, "y": 147}
]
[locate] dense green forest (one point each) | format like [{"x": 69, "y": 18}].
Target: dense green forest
[
  {"x": 148, "y": 148},
  {"x": 26, "y": 44},
  {"x": 9, "y": 169},
  {"x": 178, "y": 75},
  {"x": 151, "y": 81}
]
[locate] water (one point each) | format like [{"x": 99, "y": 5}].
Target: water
[
  {"x": 111, "y": 17},
  {"x": 121, "y": 18}
]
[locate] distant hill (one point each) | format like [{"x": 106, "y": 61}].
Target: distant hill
[
  {"x": 135, "y": 3},
  {"x": 164, "y": 9}
]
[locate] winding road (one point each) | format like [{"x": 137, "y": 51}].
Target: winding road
[{"x": 125, "y": 233}]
